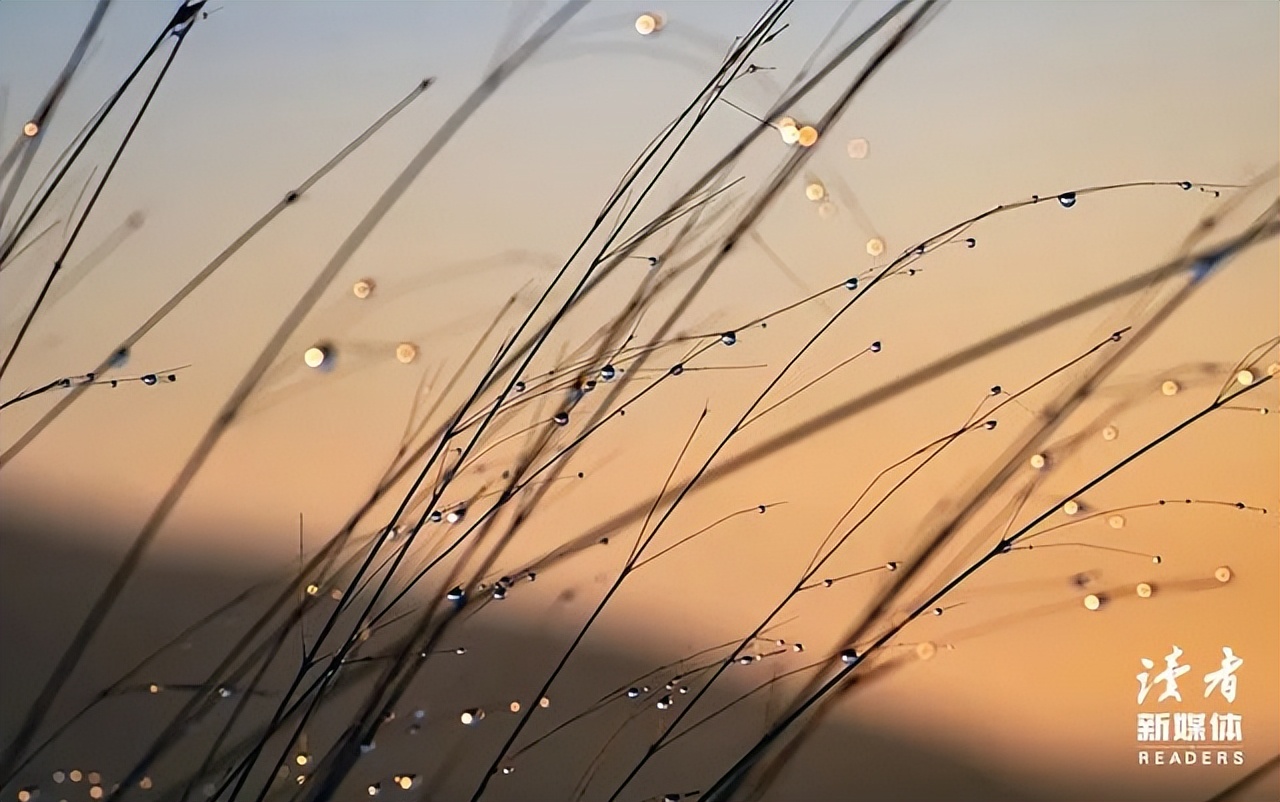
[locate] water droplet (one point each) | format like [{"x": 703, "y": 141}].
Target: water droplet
[
  {"x": 729, "y": 338},
  {"x": 937, "y": 611},
  {"x": 788, "y": 131},
  {"x": 1185, "y": 184},
  {"x": 848, "y": 656},
  {"x": 29, "y": 793},
  {"x": 1144, "y": 590},
  {"x": 677, "y": 369},
  {"x": 851, "y": 284},
  {"x": 892, "y": 565},
  {"x": 797, "y": 647},
  {"x": 363, "y": 288},
  {"x": 499, "y": 593},
  {"x": 436, "y": 516},
  {"x": 1110, "y": 432},
  {"x": 858, "y": 148},
  {"x": 1094, "y": 601},
  {"x": 1039, "y": 461},
  {"x": 75, "y": 775},
  {"x": 145, "y": 783},
  {"x": 996, "y": 389},
  {"x": 807, "y": 136},
  {"x": 1155, "y": 558},
  {"x": 971, "y": 242},
  {"x": 514, "y": 707},
  {"x": 1116, "y": 522},
  {"x": 508, "y": 769},
  {"x": 633, "y": 693},
  {"x": 456, "y": 514},
  {"x": 875, "y": 246},
  {"x": 991, "y": 424},
  {"x": 60, "y": 776},
  {"x": 374, "y": 788},
  {"x": 30, "y": 129},
  {"x": 1071, "y": 507},
  {"x": 455, "y": 594},
  {"x": 406, "y": 781},
  {"x": 815, "y": 191},
  {"x": 665, "y": 702},
  {"x": 1222, "y": 573},
  {"x": 1170, "y": 387},
  {"x": 95, "y": 792},
  {"x": 746, "y": 659},
  {"x": 472, "y": 716},
  {"x": 544, "y": 702},
  {"x": 561, "y": 419},
  {"x": 1245, "y": 378},
  {"x": 608, "y": 373},
  {"x": 149, "y": 379},
  {"x": 653, "y": 261},
  {"x": 1067, "y": 199}
]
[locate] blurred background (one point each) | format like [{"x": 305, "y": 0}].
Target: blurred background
[{"x": 1014, "y": 689}]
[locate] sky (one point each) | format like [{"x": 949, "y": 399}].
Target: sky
[{"x": 1029, "y": 695}]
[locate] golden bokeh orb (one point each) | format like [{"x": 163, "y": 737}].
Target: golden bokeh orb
[
  {"x": 314, "y": 357},
  {"x": 406, "y": 353},
  {"x": 648, "y": 24}
]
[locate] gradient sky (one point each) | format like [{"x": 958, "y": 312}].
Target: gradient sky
[{"x": 990, "y": 104}]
